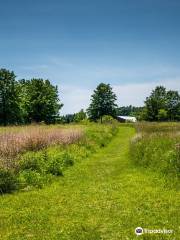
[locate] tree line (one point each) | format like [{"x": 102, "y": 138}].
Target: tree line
[
  {"x": 37, "y": 100},
  {"x": 161, "y": 105},
  {"x": 27, "y": 101}
]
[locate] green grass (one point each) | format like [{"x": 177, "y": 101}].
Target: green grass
[
  {"x": 103, "y": 197},
  {"x": 33, "y": 158},
  {"x": 157, "y": 147}
]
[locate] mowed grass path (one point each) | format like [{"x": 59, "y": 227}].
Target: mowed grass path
[{"x": 104, "y": 197}]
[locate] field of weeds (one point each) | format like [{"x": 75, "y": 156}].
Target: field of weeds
[
  {"x": 105, "y": 195},
  {"x": 14, "y": 141},
  {"x": 32, "y": 156},
  {"x": 157, "y": 146}
]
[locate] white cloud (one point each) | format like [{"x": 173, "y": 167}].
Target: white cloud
[
  {"x": 135, "y": 94},
  {"x": 76, "y": 98}
]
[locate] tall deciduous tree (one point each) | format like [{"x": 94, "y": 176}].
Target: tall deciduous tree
[
  {"x": 173, "y": 105},
  {"x": 155, "y": 102},
  {"x": 102, "y": 102},
  {"x": 9, "y": 98},
  {"x": 162, "y": 105},
  {"x": 41, "y": 102}
]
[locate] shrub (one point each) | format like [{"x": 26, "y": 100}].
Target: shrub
[
  {"x": 67, "y": 160},
  {"x": 55, "y": 167},
  {"x": 58, "y": 161},
  {"x": 107, "y": 119},
  {"x": 32, "y": 161},
  {"x": 8, "y": 181},
  {"x": 32, "y": 178}
]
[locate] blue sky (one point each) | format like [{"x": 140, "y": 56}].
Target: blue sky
[{"x": 133, "y": 45}]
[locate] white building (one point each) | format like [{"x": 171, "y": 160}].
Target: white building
[{"x": 126, "y": 119}]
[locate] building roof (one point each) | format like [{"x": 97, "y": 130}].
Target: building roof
[{"x": 132, "y": 119}]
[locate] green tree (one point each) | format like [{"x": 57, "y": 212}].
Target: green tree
[
  {"x": 40, "y": 100},
  {"x": 68, "y": 118},
  {"x": 24, "y": 100},
  {"x": 162, "y": 115},
  {"x": 173, "y": 105},
  {"x": 155, "y": 102},
  {"x": 10, "y": 112},
  {"x": 162, "y": 105},
  {"x": 102, "y": 102},
  {"x": 129, "y": 111},
  {"x": 80, "y": 116}
]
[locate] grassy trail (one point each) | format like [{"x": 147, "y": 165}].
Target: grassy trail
[{"x": 104, "y": 197}]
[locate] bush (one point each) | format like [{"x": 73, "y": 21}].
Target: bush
[
  {"x": 34, "y": 161},
  {"x": 55, "y": 167},
  {"x": 67, "y": 160},
  {"x": 8, "y": 181},
  {"x": 107, "y": 119},
  {"x": 32, "y": 178},
  {"x": 58, "y": 161}
]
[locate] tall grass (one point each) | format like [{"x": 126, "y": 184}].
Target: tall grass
[
  {"x": 36, "y": 138},
  {"x": 155, "y": 127},
  {"x": 32, "y": 155},
  {"x": 157, "y": 146}
]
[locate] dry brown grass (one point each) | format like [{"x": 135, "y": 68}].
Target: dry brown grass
[{"x": 14, "y": 141}]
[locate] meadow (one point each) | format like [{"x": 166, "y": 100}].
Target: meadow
[
  {"x": 157, "y": 146},
  {"x": 31, "y": 156},
  {"x": 90, "y": 182}
]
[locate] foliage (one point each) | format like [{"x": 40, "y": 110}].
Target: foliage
[
  {"x": 51, "y": 150},
  {"x": 102, "y": 102},
  {"x": 68, "y": 118},
  {"x": 8, "y": 181},
  {"x": 57, "y": 161},
  {"x": 33, "y": 161},
  {"x": 31, "y": 178},
  {"x": 73, "y": 118},
  {"x": 129, "y": 111},
  {"x": 162, "y": 105},
  {"x": 26, "y": 101},
  {"x": 40, "y": 100},
  {"x": 157, "y": 148},
  {"x": 173, "y": 105},
  {"x": 80, "y": 116},
  {"x": 9, "y": 98},
  {"x": 55, "y": 167},
  {"x": 162, "y": 115},
  {"x": 107, "y": 119}
]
